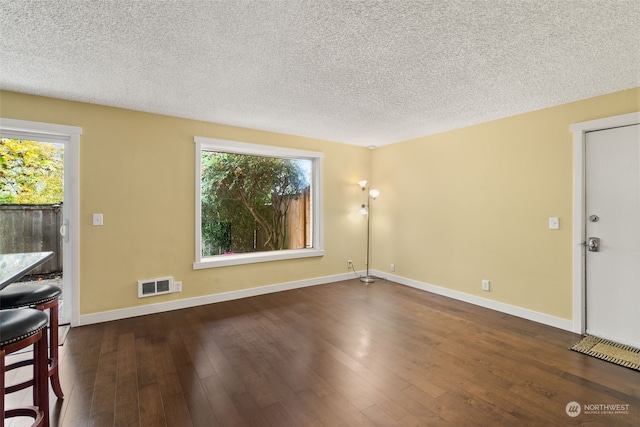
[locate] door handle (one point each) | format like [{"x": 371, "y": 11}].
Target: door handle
[
  {"x": 64, "y": 230},
  {"x": 593, "y": 244}
]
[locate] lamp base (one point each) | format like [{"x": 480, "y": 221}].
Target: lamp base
[{"x": 367, "y": 279}]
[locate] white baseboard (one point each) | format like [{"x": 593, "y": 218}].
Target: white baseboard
[
  {"x": 106, "y": 316},
  {"x": 513, "y": 310},
  {"x": 124, "y": 313}
]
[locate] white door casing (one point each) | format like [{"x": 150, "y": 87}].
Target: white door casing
[
  {"x": 70, "y": 137},
  {"x": 580, "y": 131},
  {"x": 612, "y": 208}
]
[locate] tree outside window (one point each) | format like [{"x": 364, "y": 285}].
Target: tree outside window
[
  {"x": 254, "y": 203},
  {"x": 31, "y": 172}
]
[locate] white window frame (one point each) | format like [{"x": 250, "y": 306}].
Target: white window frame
[{"x": 209, "y": 144}]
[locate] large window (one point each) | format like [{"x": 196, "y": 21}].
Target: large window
[{"x": 256, "y": 203}]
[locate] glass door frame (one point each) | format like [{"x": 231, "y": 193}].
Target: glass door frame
[{"x": 69, "y": 136}]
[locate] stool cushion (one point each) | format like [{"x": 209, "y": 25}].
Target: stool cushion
[
  {"x": 18, "y": 324},
  {"x": 18, "y": 295}
]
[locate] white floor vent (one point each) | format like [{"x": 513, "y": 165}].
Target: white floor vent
[{"x": 152, "y": 287}]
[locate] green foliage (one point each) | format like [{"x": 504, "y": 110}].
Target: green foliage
[
  {"x": 30, "y": 172},
  {"x": 245, "y": 200}
]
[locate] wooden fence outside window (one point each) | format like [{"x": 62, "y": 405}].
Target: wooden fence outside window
[{"x": 32, "y": 228}]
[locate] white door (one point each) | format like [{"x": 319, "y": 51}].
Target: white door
[
  {"x": 612, "y": 178},
  {"x": 70, "y": 137}
]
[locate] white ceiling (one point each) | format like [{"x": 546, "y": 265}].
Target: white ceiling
[{"x": 365, "y": 73}]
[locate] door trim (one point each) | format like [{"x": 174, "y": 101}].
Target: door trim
[
  {"x": 70, "y": 137},
  {"x": 579, "y": 227}
]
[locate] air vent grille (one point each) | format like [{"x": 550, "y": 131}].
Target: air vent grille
[{"x": 151, "y": 287}]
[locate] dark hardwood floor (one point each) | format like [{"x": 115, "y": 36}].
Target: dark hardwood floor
[{"x": 342, "y": 354}]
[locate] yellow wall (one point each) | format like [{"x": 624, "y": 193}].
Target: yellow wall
[
  {"x": 474, "y": 203},
  {"x": 138, "y": 170},
  {"x": 456, "y": 207}
]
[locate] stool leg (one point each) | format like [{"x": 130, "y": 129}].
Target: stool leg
[
  {"x": 41, "y": 376},
  {"x": 54, "y": 373},
  {"x": 2, "y": 372}
]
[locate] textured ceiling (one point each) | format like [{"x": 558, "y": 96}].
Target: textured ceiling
[{"x": 365, "y": 73}]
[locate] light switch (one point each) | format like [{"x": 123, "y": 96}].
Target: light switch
[
  {"x": 554, "y": 223},
  {"x": 97, "y": 219}
]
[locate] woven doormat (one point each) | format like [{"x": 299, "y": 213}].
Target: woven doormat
[{"x": 610, "y": 351}]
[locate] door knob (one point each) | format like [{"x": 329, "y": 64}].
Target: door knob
[{"x": 593, "y": 244}]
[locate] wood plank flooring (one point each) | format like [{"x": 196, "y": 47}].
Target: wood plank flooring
[{"x": 341, "y": 354}]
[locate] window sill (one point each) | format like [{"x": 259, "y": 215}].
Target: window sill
[{"x": 255, "y": 257}]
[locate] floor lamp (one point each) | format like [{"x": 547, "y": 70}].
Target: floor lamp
[{"x": 366, "y": 210}]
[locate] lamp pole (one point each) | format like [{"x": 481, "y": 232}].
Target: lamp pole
[
  {"x": 371, "y": 194},
  {"x": 367, "y": 278}
]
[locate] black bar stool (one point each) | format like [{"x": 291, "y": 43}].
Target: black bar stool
[
  {"x": 19, "y": 329},
  {"x": 41, "y": 297}
]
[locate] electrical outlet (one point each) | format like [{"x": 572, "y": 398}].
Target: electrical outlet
[
  {"x": 392, "y": 267},
  {"x": 349, "y": 264},
  {"x": 486, "y": 285},
  {"x": 177, "y": 286}
]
